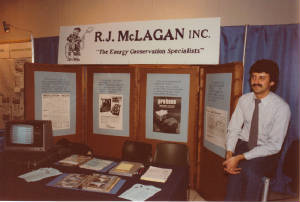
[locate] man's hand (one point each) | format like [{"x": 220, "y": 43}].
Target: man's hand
[
  {"x": 231, "y": 163},
  {"x": 228, "y": 154}
]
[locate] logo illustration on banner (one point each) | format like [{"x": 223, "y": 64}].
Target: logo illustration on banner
[{"x": 75, "y": 43}]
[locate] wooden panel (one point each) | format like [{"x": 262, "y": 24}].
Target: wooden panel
[
  {"x": 211, "y": 179},
  {"x": 29, "y": 95},
  {"x": 206, "y": 171},
  {"x": 108, "y": 145},
  {"x": 193, "y": 71}
]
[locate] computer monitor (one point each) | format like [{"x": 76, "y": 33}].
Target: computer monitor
[{"x": 28, "y": 135}]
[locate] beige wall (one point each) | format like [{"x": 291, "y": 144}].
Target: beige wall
[{"x": 44, "y": 17}]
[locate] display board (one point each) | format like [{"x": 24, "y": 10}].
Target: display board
[
  {"x": 55, "y": 98},
  {"x": 54, "y": 92},
  {"x": 167, "y": 107},
  {"x": 111, "y": 97},
  {"x": 168, "y": 95},
  {"x": 111, "y": 105},
  {"x": 216, "y": 111},
  {"x": 220, "y": 88},
  {"x": 105, "y": 105}
]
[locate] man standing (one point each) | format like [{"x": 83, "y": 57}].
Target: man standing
[{"x": 256, "y": 133}]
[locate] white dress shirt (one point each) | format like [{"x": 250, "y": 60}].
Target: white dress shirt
[{"x": 274, "y": 116}]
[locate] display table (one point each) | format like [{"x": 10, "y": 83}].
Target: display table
[{"x": 16, "y": 189}]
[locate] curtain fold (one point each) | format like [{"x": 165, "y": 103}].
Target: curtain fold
[
  {"x": 46, "y": 50},
  {"x": 232, "y": 44},
  {"x": 279, "y": 43}
]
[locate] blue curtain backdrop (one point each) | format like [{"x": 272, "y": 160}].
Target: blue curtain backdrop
[
  {"x": 46, "y": 50},
  {"x": 232, "y": 44},
  {"x": 277, "y": 42}
]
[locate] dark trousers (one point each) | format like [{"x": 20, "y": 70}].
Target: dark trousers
[{"x": 248, "y": 184}]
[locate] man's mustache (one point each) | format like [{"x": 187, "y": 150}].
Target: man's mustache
[{"x": 256, "y": 84}]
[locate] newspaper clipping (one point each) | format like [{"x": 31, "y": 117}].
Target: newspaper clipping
[
  {"x": 56, "y": 107},
  {"x": 12, "y": 59},
  {"x": 216, "y": 126}
]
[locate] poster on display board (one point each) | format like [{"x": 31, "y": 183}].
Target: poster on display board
[
  {"x": 111, "y": 104},
  {"x": 55, "y": 100},
  {"x": 180, "y": 41},
  {"x": 167, "y": 106},
  {"x": 111, "y": 111},
  {"x": 12, "y": 59}
]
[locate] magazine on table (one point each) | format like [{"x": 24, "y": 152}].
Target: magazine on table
[
  {"x": 126, "y": 168},
  {"x": 94, "y": 182},
  {"x": 96, "y": 164},
  {"x": 75, "y": 160},
  {"x": 156, "y": 174}
]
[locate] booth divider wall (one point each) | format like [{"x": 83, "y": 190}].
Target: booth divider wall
[
  {"x": 113, "y": 103},
  {"x": 164, "y": 77},
  {"x": 110, "y": 81},
  {"x": 211, "y": 178},
  {"x": 34, "y": 89}
]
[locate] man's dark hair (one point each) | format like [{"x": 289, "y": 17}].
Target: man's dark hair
[
  {"x": 268, "y": 66},
  {"x": 77, "y": 28}
]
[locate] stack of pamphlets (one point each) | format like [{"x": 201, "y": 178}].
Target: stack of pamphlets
[
  {"x": 126, "y": 168},
  {"x": 156, "y": 174},
  {"x": 97, "y": 164},
  {"x": 75, "y": 160},
  {"x": 89, "y": 182},
  {"x": 88, "y": 162}
]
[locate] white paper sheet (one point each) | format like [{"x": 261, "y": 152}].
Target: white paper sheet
[
  {"x": 40, "y": 174},
  {"x": 56, "y": 107},
  {"x": 216, "y": 126},
  {"x": 140, "y": 192}
]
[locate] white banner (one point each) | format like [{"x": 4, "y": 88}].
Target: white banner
[{"x": 184, "y": 41}]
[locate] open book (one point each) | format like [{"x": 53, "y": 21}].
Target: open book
[
  {"x": 126, "y": 168},
  {"x": 156, "y": 174},
  {"x": 94, "y": 182}
]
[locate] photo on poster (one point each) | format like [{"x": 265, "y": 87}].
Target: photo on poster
[
  {"x": 166, "y": 114},
  {"x": 110, "y": 111}
]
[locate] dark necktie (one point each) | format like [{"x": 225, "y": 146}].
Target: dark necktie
[{"x": 254, "y": 127}]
